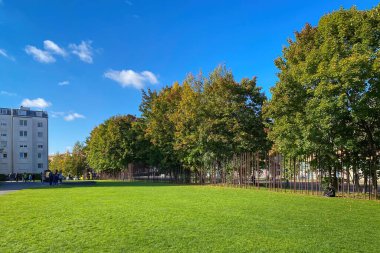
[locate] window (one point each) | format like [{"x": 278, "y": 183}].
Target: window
[
  {"x": 40, "y": 146},
  {"x": 23, "y": 122},
  {"x": 3, "y": 123},
  {"x": 4, "y": 111},
  {"x": 39, "y": 124},
  {"x": 39, "y": 114},
  {"x": 22, "y": 112},
  {"x": 39, "y": 134},
  {"x": 3, "y": 134},
  {"x": 23, "y": 146},
  {"x": 23, "y": 155},
  {"x": 3, "y": 144},
  {"x": 23, "y": 133},
  {"x": 40, "y": 165},
  {"x": 39, "y": 155},
  {"x": 5, "y": 155}
]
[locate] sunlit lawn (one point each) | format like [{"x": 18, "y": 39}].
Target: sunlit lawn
[{"x": 142, "y": 217}]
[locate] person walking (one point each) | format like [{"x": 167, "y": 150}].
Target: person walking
[
  {"x": 56, "y": 177},
  {"x": 51, "y": 178}
]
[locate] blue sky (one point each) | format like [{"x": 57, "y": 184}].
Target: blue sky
[{"x": 85, "y": 61}]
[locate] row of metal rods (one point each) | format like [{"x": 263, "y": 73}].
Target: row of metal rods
[{"x": 279, "y": 173}]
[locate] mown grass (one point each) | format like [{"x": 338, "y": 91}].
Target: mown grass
[{"x": 142, "y": 217}]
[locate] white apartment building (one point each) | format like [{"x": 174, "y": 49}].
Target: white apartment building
[{"x": 23, "y": 141}]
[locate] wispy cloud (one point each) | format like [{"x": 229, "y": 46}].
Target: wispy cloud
[
  {"x": 73, "y": 116},
  {"x": 36, "y": 103},
  {"x": 83, "y": 51},
  {"x": 56, "y": 114},
  {"x": 67, "y": 116},
  {"x": 6, "y": 93},
  {"x": 127, "y": 78},
  {"x": 126, "y": 1},
  {"x": 54, "y": 48},
  {"x": 63, "y": 83},
  {"x": 39, "y": 55},
  {"x": 4, "y": 53}
]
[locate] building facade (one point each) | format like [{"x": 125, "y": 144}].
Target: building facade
[{"x": 23, "y": 141}]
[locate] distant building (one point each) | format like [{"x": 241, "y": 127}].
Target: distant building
[{"x": 23, "y": 141}]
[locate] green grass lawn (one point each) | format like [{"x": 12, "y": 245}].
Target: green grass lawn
[{"x": 139, "y": 217}]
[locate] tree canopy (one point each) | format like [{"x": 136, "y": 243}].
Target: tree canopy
[{"x": 327, "y": 100}]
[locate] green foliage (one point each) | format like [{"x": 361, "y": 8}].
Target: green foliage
[
  {"x": 327, "y": 98},
  {"x": 111, "y": 145},
  {"x": 204, "y": 120},
  {"x": 73, "y": 164}
]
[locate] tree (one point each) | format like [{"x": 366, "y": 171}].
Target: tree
[
  {"x": 157, "y": 109},
  {"x": 110, "y": 146},
  {"x": 326, "y": 102},
  {"x": 73, "y": 163}
]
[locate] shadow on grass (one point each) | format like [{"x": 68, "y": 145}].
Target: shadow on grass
[
  {"x": 75, "y": 184},
  {"x": 16, "y": 186}
]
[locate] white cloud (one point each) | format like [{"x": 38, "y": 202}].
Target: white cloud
[
  {"x": 6, "y": 93},
  {"x": 54, "y": 48},
  {"x": 131, "y": 78},
  {"x": 73, "y": 116},
  {"x": 37, "y": 103},
  {"x": 4, "y": 53},
  {"x": 63, "y": 83},
  {"x": 67, "y": 116},
  {"x": 56, "y": 114},
  {"x": 83, "y": 51},
  {"x": 39, "y": 55}
]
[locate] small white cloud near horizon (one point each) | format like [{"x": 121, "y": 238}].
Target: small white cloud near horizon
[
  {"x": 6, "y": 93},
  {"x": 63, "y": 83},
  {"x": 4, "y": 53},
  {"x": 56, "y": 114},
  {"x": 39, "y": 55},
  {"x": 67, "y": 116},
  {"x": 36, "y": 103},
  {"x": 130, "y": 78},
  {"x": 83, "y": 51},
  {"x": 73, "y": 116},
  {"x": 54, "y": 48}
]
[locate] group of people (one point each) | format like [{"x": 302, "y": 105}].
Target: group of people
[
  {"x": 54, "y": 178},
  {"x": 22, "y": 177}
]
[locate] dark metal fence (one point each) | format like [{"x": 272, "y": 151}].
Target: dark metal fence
[{"x": 271, "y": 171}]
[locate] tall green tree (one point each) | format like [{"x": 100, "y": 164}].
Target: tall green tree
[
  {"x": 110, "y": 146},
  {"x": 326, "y": 101}
]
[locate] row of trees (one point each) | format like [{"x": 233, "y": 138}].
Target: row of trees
[
  {"x": 201, "y": 121},
  {"x": 325, "y": 107}
]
